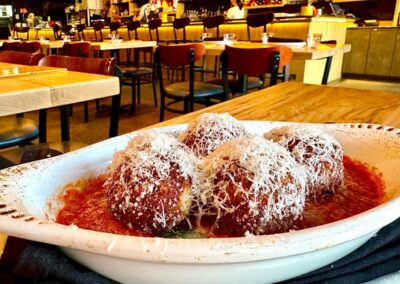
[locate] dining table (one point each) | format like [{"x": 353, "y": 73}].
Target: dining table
[
  {"x": 293, "y": 102},
  {"x": 29, "y": 88},
  {"x": 301, "y": 52}
]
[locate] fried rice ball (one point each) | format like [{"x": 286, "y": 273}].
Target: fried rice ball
[
  {"x": 251, "y": 186},
  {"x": 151, "y": 182},
  {"x": 318, "y": 151},
  {"x": 211, "y": 130}
]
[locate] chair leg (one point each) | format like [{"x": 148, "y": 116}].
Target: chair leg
[
  {"x": 138, "y": 88},
  {"x": 154, "y": 92},
  {"x": 133, "y": 104},
  {"x": 86, "y": 111},
  {"x": 43, "y": 126},
  {"x": 64, "y": 123},
  {"x": 186, "y": 105},
  {"x": 162, "y": 107}
]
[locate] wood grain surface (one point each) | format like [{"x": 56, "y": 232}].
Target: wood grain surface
[{"x": 298, "y": 102}]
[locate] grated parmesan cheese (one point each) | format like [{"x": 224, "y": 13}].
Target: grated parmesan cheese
[
  {"x": 251, "y": 186},
  {"x": 211, "y": 130},
  {"x": 151, "y": 182},
  {"x": 318, "y": 151}
]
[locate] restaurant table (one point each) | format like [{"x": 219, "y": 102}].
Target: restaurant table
[
  {"x": 114, "y": 47},
  {"x": 37, "y": 87},
  {"x": 298, "y": 102},
  {"x": 303, "y": 53}
]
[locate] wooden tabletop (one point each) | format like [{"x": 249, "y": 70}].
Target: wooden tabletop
[
  {"x": 303, "y": 53},
  {"x": 11, "y": 69},
  {"x": 109, "y": 45},
  {"x": 298, "y": 102},
  {"x": 50, "y": 89}
]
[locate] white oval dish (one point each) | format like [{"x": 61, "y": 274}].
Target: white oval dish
[{"x": 25, "y": 191}]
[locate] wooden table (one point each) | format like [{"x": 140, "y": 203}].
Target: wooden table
[
  {"x": 299, "y": 53},
  {"x": 298, "y": 102},
  {"x": 11, "y": 69},
  {"x": 42, "y": 90},
  {"x": 114, "y": 47}
]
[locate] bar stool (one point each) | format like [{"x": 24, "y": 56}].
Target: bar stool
[
  {"x": 153, "y": 26},
  {"x": 21, "y": 30},
  {"x": 114, "y": 26},
  {"x": 210, "y": 23},
  {"x": 188, "y": 92},
  {"x": 180, "y": 24},
  {"x": 80, "y": 31},
  {"x": 258, "y": 20},
  {"x": 57, "y": 31},
  {"x": 98, "y": 27}
]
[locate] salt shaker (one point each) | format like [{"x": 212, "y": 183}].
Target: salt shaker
[{"x": 264, "y": 38}]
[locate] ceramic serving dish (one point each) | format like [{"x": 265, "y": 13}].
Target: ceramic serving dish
[{"x": 26, "y": 190}]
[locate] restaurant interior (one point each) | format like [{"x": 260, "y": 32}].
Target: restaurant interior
[{"x": 80, "y": 77}]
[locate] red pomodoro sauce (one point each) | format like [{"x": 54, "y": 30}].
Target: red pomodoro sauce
[{"x": 85, "y": 203}]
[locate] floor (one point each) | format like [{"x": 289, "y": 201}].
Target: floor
[{"x": 147, "y": 114}]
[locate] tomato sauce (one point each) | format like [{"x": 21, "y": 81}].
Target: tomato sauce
[{"x": 86, "y": 202}]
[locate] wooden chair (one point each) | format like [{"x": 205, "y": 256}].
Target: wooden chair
[
  {"x": 188, "y": 92},
  {"x": 32, "y": 47},
  {"x": 258, "y": 20},
  {"x": 98, "y": 30},
  {"x": 18, "y": 57},
  {"x": 104, "y": 66},
  {"x": 18, "y": 131},
  {"x": 12, "y": 46},
  {"x": 17, "y": 31},
  {"x": 134, "y": 74},
  {"x": 252, "y": 64},
  {"x": 80, "y": 31}
]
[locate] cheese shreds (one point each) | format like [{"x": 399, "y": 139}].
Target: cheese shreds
[
  {"x": 151, "y": 182},
  {"x": 318, "y": 151},
  {"x": 251, "y": 185},
  {"x": 211, "y": 130}
]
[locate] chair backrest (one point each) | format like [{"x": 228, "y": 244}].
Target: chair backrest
[
  {"x": 178, "y": 24},
  {"x": 18, "y": 57},
  {"x": 33, "y": 46},
  {"x": 98, "y": 27},
  {"x": 179, "y": 55},
  {"x": 78, "y": 49},
  {"x": 11, "y": 45},
  {"x": 153, "y": 26},
  {"x": 79, "y": 29},
  {"x": 212, "y": 23},
  {"x": 21, "y": 30},
  {"x": 114, "y": 26},
  {"x": 176, "y": 55},
  {"x": 104, "y": 66},
  {"x": 132, "y": 27},
  {"x": 57, "y": 31},
  {"x": 4, "y": 32},
  {"x": 258, "y": 20},
  {"x": 256, "y": 62}
]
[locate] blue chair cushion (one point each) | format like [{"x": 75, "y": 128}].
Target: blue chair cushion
[
  {"x": 17, "y": 130},
  {"x": 201, "y": 90}
]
